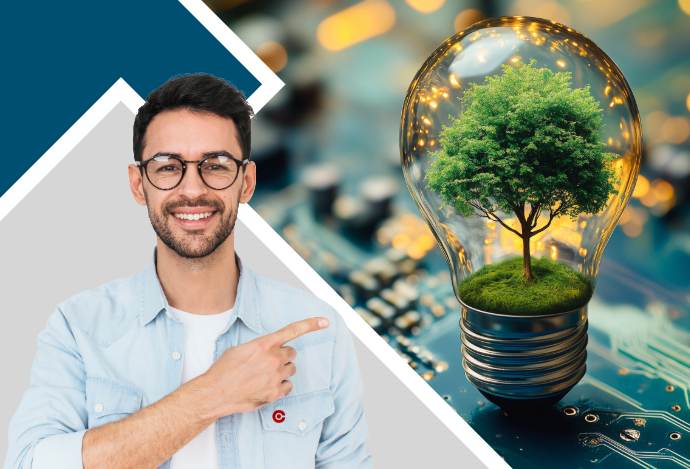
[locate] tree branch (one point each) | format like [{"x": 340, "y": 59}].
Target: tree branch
[
  {"x": 533, "y": 217},
  {"x": 520, "y": 214},
  {"x": 548, "y": 223},
  {"x": 493, "y": 217},
  {"x": 553, "y": 213},
  {"x": 483, "y": 215}
]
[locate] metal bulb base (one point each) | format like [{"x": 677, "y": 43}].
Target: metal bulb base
[{"x": 522, "y": 362}]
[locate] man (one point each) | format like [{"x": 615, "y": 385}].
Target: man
[{"x": 185, "y": 365}]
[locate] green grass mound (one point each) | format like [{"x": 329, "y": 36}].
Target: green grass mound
[{"x": 501, "y": 288}]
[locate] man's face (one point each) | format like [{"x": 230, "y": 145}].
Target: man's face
[{"x": 192, "y": 219}]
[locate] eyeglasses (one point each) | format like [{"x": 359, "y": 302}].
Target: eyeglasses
[{"x": 218, "y": 170}]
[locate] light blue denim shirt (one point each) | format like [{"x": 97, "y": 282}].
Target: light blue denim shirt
[{"x": 109, "y": 351}]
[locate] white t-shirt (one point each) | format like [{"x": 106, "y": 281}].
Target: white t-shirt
[{"x": 201, "y": 332}]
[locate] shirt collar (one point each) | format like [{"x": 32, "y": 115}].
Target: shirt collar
[{"x": 153, "y": 300}]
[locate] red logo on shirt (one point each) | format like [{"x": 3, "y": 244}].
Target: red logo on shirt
[{"x": 278, "y": 416}]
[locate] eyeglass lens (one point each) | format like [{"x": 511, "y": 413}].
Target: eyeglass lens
[{"x": 218, "y": 172}]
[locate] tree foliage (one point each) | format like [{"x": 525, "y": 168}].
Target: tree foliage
[{"x": 527, "y": 143}]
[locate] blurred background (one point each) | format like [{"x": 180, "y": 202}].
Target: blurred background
[
  {"x": 331, "y": 184},
  {"x": 347, "y": 66}
]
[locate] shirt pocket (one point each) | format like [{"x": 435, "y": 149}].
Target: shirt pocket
[
  {"x": 292, "y": 429},
  {"x": 108, "y": 400}
]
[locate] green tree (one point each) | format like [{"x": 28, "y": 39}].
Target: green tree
[{"x": 529, "y": 144}]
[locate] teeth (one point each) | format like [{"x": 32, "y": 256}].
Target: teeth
[{"x": 193, "y": 216}]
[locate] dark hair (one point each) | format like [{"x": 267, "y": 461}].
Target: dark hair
[{"x": 197, "y": 92}]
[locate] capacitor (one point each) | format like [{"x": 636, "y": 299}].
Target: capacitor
[
  {"x": 322, "y": 181},
  {"x": 302, "y": 99},
  {"x": 353, "y": 216},
  {"x": 378, "y": 193},
  {"x": 270, "y": 152}
]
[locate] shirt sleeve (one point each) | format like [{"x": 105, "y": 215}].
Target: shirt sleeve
[
  {"x": 47, "y": 428},
  {"x": 343, "y": 438}
]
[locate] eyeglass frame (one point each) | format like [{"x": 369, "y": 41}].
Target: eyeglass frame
[{"x": 240, "y": 164}]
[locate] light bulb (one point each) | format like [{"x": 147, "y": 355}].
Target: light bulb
[{"x": 512, "y": 116}]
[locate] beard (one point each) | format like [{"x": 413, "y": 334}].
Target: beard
[{"x": 193, "y": 244}]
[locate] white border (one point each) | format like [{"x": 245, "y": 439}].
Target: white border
[
  {"x": 270, "y": 83},
  {"x": 121, "y": 92},
  {"x": 376, "y": 345}
]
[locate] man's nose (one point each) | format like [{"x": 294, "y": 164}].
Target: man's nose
[{"x": 192, "y": 185}]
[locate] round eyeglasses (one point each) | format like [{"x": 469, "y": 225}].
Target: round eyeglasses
[{"x": 217, "y": 171}]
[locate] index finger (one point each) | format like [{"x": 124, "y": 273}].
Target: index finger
[{"x": 297, "y": 329}]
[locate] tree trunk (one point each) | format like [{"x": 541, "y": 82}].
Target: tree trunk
[{"x": 526, "y": 257}]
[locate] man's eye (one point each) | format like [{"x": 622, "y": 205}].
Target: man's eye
[
  {"x": 216, "y": 167},
  {"x": 167, "y": 169}
]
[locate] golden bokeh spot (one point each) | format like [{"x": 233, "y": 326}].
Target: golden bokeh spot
[
  {"x": 467, "y": 18},
  {"x": 355, "y": 24},
  {"x": 425, "y": 6}
]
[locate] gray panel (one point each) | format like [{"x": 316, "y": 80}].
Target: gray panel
[{"x": 80, "y": 227}]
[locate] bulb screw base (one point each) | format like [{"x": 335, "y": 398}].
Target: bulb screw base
[{"x": 521, "y": 361}]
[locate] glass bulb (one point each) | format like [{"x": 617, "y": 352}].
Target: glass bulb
[{"x": 520, "y": 355}]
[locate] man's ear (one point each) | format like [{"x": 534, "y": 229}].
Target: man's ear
[
  {"x": 136, "y": 184},
  {"x": 248, "y": 182}
]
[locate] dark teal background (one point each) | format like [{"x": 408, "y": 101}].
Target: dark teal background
[{"x": 58, "y": 58}]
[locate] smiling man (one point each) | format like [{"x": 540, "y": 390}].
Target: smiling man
[{"x": 185, "y": 365}]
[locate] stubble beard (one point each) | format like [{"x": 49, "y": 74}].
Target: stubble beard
[{"x": 201, "y": 245}]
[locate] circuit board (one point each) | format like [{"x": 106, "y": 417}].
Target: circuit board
[
  {"x": 330, "y": 182},
  {"x": 630, "y": 408}
]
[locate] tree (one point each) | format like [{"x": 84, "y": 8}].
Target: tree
[{"x": 527, "y": 143}]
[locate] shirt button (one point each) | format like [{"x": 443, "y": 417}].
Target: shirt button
[
  {"x": 176, "y": 355},
  {"x": 98, "y": 407},
  {"x": 302, "y": 425}
]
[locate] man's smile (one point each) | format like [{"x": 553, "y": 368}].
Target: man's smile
[{"x": 195, "y": 218}]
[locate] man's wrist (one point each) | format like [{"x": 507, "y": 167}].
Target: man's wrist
[{"x": 199, "y": 395}]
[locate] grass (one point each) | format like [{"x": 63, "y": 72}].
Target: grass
[{"x": 501, "y": 288}]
